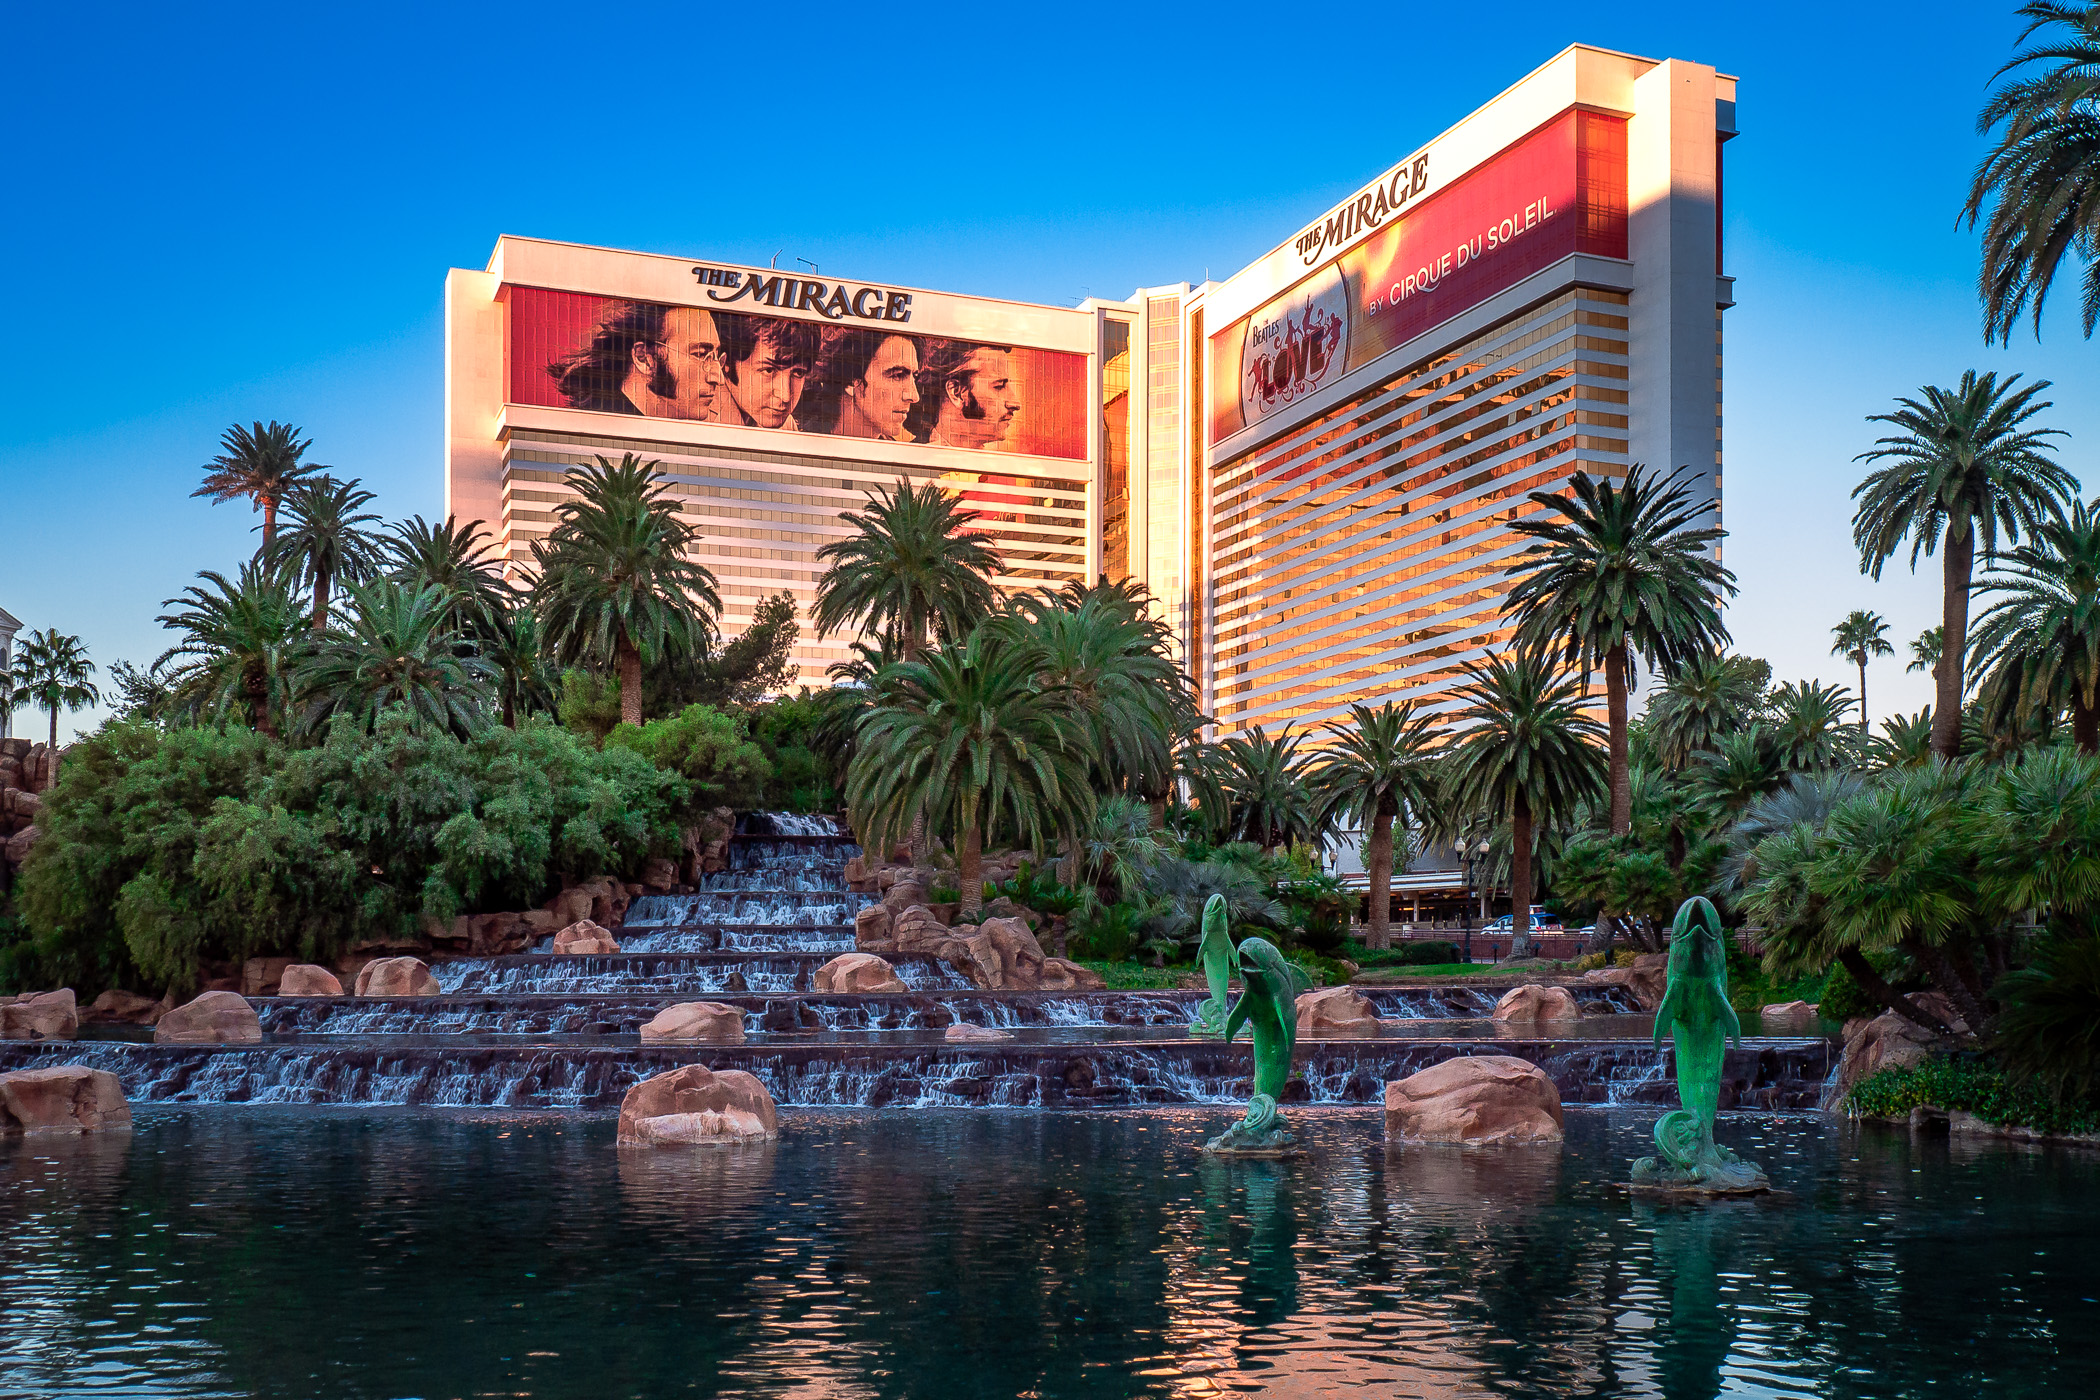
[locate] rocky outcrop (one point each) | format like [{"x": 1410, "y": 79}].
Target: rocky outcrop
[
  {"x": 1336, "y": 1011},
  {"x": 586, "y": 938},
  {"x": 1533, "y": 1002},
  {"x": 709, "y": 1021},
  {"x": 17, "y": 849},
  {"x": 1788, "y": 1015},
  {"x": 853, "y": 973},
  {"x": 704, "y": 846},
  {"x": 959, "y": 1031},
  {"x": 117, "y": 1007},
  {"x": 62, "y": 1099},
  {"x": 307, "y": 980},
  {"x": 1004, "y": 956},
  {"x": 916, "y": 929},
  {"x": 40, "y": 1016},
  {"x": 396, "y": 977},
  {"x": 903, "y": 895},
  {"x": 1888, "y": 1041},
  {"x": 603, "y": 901},
  {"x": 1058, "y": 975},
  {"x": 216, "y": 1018},
  {"x": 693, "y": 1105},
  {"x": 873, "y": 930},
  {"x": 1646, "y": 980},
  {"x": 1474, "y": 1099}
]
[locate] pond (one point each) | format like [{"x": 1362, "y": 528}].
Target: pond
[{"x": 303, "y": 1252}]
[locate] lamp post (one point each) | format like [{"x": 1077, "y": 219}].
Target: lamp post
[{"x": 1465, "y": 913}]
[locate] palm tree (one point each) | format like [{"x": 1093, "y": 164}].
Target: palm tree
[
  {"x": 458, "y": 559},
  {"x": 1963, "y": 465},
  {"x": 260, "y": 464},
  {"x": 2038, "y": 646},
  {"x": 1710, "y": 698},
  {"x": 1808, "y": 726},
  {"x": 1526, "y": 753},
  {"x": 1380, "y": 768},
  {"x": 1905, "y": 741},
  {"x": 1267, "y": 799},
  {"x": 1618, "y": 569},
  {"x": 398, "y": 649},
  {"x": 2042, "y": 176},
  {"x": 1861, "y": 635},
  {"x": 240, "y": 642},
  {"x": 516, "y": 652},
  {"x": 615, "y": 585},
  {"x": 967, "y": 739},
  {"x": 51, "y": 671},
  {"x": 1743, "y": 767},
  {"x": 327, "y": 543},
  {"x": 1925, "y": 651},
  {"x": 913, "y": 566}
]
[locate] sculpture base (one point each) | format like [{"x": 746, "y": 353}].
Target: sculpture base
[
  {"x": 1237, "y": 1141},
  {"x": 1718, "y": 1172}
]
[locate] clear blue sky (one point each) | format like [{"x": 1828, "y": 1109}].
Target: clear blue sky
[{"x": 217, "y": 215}]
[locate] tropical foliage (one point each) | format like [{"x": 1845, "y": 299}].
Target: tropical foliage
[{"x": 51, "y": 671}]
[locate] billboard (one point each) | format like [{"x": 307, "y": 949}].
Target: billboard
[
  {"x": 704, "y": 364},
  {"x": 1560, "y": 190}
]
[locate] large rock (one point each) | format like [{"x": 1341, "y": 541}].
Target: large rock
[
  {"x": 658, "y": 875},
  {"x": 1888, "y": 1041},
  {"x": 119, "y": 1007},
  {"x": 1646, "y": 980},
  {"x": 856, "y": 874},
  {"x": 960, "y": 1031},
  {"x": 62, "y": 1099},
  {"x": 20, "y": 803},
  {"x": 1474, "y": 1098},
  {"x": 18, "y": 845},
  {"x": 903, "y": 895},
  {"x": 1333, "y": 1011},
  {"x": 1533, "y": 1002},
  {"x": 1060, "y": 975},
  {"x": 695, "y": 1105},
  {"x": 40, "y": 1016},
  {"x": 584, "y": 937},
  {"x": 1788, "y": 1015},
  {"x": 216, "y": 1018},
  {"x": 873, "y": 925},
  {"x": 710, "y": 1021},
  {"x": 1005, "y": 956},
  {"x": 307, "y": 980},
  {"x": 603, "y": 901},
  {"x": 395, "y": 977},
  {"x": 851, "y": 973},
  {"x": 261, "y": 977}
]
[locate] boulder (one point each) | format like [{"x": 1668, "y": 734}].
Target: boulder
[
  {"x": 696, "y": 1105},
  {"x": 696, "y": 1020},
  {"x": 856, "y": 874},
  {"x": 215, "y": 1018},
  {"x": 1646, "y": 980},
  {"x": 1474, "y": 1098},
  {"x": 260, "y": 977},
  {"x": 1533, "y": 1002},
  {"x": 584, "y": 937},
  {"x": 62, "y": 1099},
  {"x": 1333, "y": 1011},
  {"x": 603, "y": 901},
  {"x": 21, "y": 803},
  {"x": 658, "y": 875},
  {"x": 904, "y": 894},
  {"x": 959, "y": 1031},
  {"x": 851, "y": 973},
  {"x": 18, "y": 845},
  {"x": 1788, "y": 1014},
  {"x": 1016, "y": 959},
  {"x": 307, "y": 980},
  {"x": 1887, "y": 1041},
  {"x": 916, "y": 928},
  {"x": 1060, "y": 975},
  {"x": 395, "y": 977},
  {"x": 119, "y": 1007},
  {"x": 873, "y": 924},
  {"x": 40, "y": 1016}
]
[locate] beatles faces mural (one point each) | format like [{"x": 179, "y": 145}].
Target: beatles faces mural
[{"x": 657, "y": 361}]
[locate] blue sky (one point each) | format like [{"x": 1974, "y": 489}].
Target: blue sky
[{"x": 248, "y": 214}]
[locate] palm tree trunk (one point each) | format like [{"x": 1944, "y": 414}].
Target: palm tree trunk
[
  {"x": 1615, "y": 713},
  {"x": 1862, "y": 695},
  {"x": 970, "y": 866},
  {"x": 54, "y": 729},
  {"x": 1876, "y": 986},
  {"x": 1520, "y": 945},
  {"x": 1941, "y": 967},
  {"x": 269, "y": 510},
  {"x": 1957, "y": 559},
  {"x": 259, "y": 705},
  {"x": 2085, "y": 725},
  {"x": 510, "y": 709},
  {"x": 1381, "y": 873},
  {"x": 1156, "y": 811},
  {"x": 629, "y": 659},
  {"x": 321, "y": 583}
]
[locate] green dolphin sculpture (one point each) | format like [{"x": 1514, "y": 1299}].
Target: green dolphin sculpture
[
  {"x": 1215, "y": 955},
  {"x": 1696, "y": 1013},
  {"x": 1269, "y": 1009}
]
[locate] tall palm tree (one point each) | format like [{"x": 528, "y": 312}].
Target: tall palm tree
[
  {"x": 1808, "y": 726},
  {"x": 912, "y": 566},
  {"x": 615, "y": 585},
  {"x": 1743, "y": 767},
  {"x": 2041, "y": 179},
  {"x": 328, "y": 542},
  {"x": 1964, "y": 464},
  {"x": 457, "y": 558},
  {"x": 1620, "y": 569},
  {"x": 967, "y": 739},
  {"x": 1267, "y": 798},
  {"x": 51, "y": 671},
  {"x": 2038, "y": 646},
  {"x": 1925, "y": 651},
  {"x": 1860, "y": 636},
  {"x": 396, "y": 649},
  {"x": 1526, "y": 753},
  {"x": 240, "y": 640},
  {"x": 515, "y": 649},
  {"x": 1380, "y": 767},
  {"x": 1710, "y": 698},
  {"x": 259, "y": 464}
]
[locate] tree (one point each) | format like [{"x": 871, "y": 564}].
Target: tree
[
  {"x": 51, "y": 671},
  {"x": 259, "y": 464},
  {"x": 2041, "y": 178},
  {"x": 1380, "y": 767},
  {"x": 517, "y": 658},
  {"x": 1710, "y": 698},
  {"x": 1525, "y": 753},
  {"x": 756, "y": 663},
  {"x": 239, "y": 643},
  {"x": 706, "y": 747},
  {"x": 327, "y": 543},
  {"x": 397, "y": 650},
  {"x": 143, "y": 692},
  {"x": 1925, "y": 652},
  {"x": 615, "y": 586},
  {"x": 460, "y": 561},
  {"x": 1963, "y": 465},
  {"x": 1267, "y": 799},
  {"x": 1808, "y": 726},
  {"x": 1619, "y": 569},
  {"x": 912, "y": 566},
  {"x": 2037, "y": 648},
  {"x": 966, "y": 738},
  {"x": 1861, "y": 635},
  {"x": 1743, "y": 767}
]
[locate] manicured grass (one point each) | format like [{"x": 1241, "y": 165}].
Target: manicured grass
[
  {"x": 1138, "y": 977},
  {"x": 1396, "y": 974}
]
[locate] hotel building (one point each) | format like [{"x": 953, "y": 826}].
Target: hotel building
[{"x": 1312, "y": 464}]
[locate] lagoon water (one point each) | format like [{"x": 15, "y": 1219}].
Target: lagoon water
[{"x": 303, "y": 1252}]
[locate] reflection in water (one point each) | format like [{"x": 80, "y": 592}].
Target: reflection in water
[{"x": 928, "y": 1254}]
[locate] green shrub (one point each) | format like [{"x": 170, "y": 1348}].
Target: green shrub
[
  {"x": 705, "y": 747},
  {"x": 1107, "y": 933},
  {"x": 1972, "y": 1086},
  {"x": 1124, "y": 976},
  {"x": 1411, "y": 954},
  {"x": 1031, "y": 891},
  {"x": 2049, "y": 1027}
]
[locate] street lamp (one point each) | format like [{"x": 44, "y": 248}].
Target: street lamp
[{"x": 1465, "y": 912}]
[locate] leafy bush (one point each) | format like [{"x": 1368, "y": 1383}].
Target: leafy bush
[
  {"x": 705, "y": 747},
  {"x": 1972, "y": 1086},
  {"x": 1046, "y": 897},
  {"x": 2049, "y": 1028},
  {"x": 1105, "y": 932},
  {"x": 1123, "y": 976},
  {"x": 1411, "y": 954}
]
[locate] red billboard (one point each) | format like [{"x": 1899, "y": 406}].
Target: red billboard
[
  {"x": 1560, "y": 190},
  {"x": 703, "y": 364}
]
